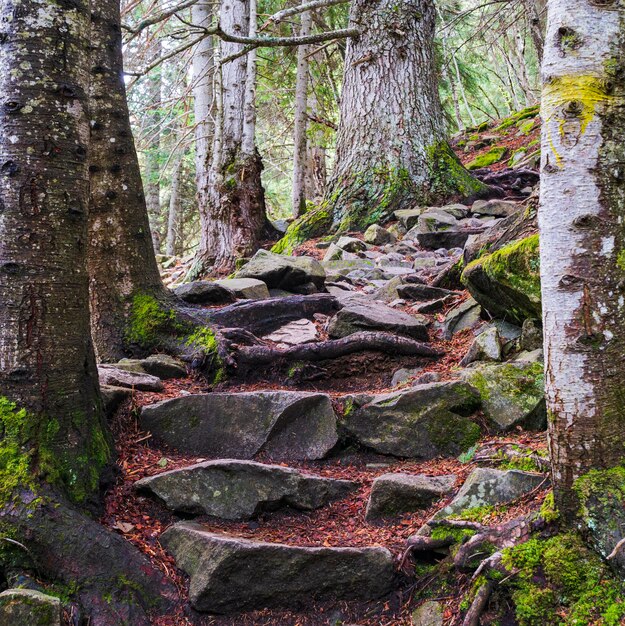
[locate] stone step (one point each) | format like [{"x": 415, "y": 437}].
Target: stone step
[
  {"x": 287, "y": 425},
  {"x": 237, "y": 490},
  {"x": 229, "y": 574}
]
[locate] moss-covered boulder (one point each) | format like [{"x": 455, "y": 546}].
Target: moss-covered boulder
[
  {"x": 507, "y": 282},
  {"x": 424, "y": 422},
  {"x": 494, "y": 155},
  {"x": 27, "y": 607},
  {"x": 512, "y": 394}
]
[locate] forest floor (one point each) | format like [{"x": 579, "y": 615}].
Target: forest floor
[{"x": 141, "y": 520}]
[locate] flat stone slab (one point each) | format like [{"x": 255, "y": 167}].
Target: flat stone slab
[
  {"x": 162, "y": 366},
  {"x": 229, "y": 574},
  {"x": 205, "y": 292},
  {"x": 357, "y": 316},
  {"x": 287, "y": 425},
  {"x": 113, "y": 376},
  {"x": 246, "y": 288},
  {"x": 422, "y": 422},
  {"x": 490, "y": 487},
  {"x": 237, "y": 490},
  {"x": 395, "y": 494},
  {"x": 27, "y": 607},
  {"x": 294, "y": 333}
]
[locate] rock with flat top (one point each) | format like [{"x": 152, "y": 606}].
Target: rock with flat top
[
  {"x": 294, "y": 333},
  {"x": 113, "y": 376},
  {"x": 286, "y": 425},
  {"x": 236, "y": 490},
  {"x": 229, "y": 574},
  {"x": 246, "y": 288},
  {"x": 205, "y": 292}
]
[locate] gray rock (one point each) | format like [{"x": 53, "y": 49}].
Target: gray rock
[
  {"x": 334, "y": 253},
  {"x": 486, "y": 347},
  {"x": 449, "y": 239},
  {"x": 229, "y": 574},
  {"x": 459, "y": 211},
  {"x": 344, "y": 268},
  {"x": 162, "y": 366},
  {"x": 531, "y": 335},
  {"x": 409, "y": 217},
  {"x": 284, "y": 424},
  {"x": 434, "y": 220},
  {"x": 357, "y": 316},
  {"x": 113, "y": 397},
  {"x": 27, "y": 607},
  {"x": 294, "y": 333},
  {"x": 283, "y": 272},
  {"x": 512, "y": 394},
  {"x": 388, "y": 292},
  {"x": 424, "y": 421},
  {"x": 433, "y": 306},
  {"x": 397, "y": 230},
  {"x": 237, "y": 490},
  {"x": 205, "y": 292},
  {"x": 404, "y": 375},
  {"x": 465, "y": 315},
  {"x": 495, "y": 208},
  {"x": 351, "y": 244},
  {"x": 491, "y": 487},
  {"x": 246, "y": 288},
  {"x": 395, "y": 494},
  {"x": 113, "y": 376},
  {"x": 430, "y": 613},
  {"x": 378, "y": 236},
  {"x": 415, "y": 291}
]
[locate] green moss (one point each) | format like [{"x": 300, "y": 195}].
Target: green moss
[
  {"x": 494, "y": 155},
  {"x": 458, "y": 535},
  {"x": 606, "y": 486},
  {"x": 204, "y": 340},
  {"x": 313, "y": 223},
  {"x": 451, "y": 432},
  {"x": 478, "y": 513},
  {"x": 620, "y": 261},
  {"x": 149, "y": 320},
  {"x": 561, "y": 581},
  {"x": 516, "y": 265},
  {"x": 517, "y": 117},
  {"x": 448, "y": 177}
]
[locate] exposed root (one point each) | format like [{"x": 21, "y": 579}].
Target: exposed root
[
  {"x": 333, "y": 349},
  {"x": 511, "y": 453}
]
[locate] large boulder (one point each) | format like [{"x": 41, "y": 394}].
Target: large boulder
[
  {"x": 284, "y": 424},
  {"x": 237, "y": 490},
  {"x": 229, "y": 574},
  {"x": 507, "y": 282},
  {"x": 395, "y": 494},
  {"x": 283, "y": 272},
  {"x": 423, "y": 422},
  {"x": 27, "y": 607},
  {"x": 205, "y": 292},
  {"x": 491, "y": 487},
  {"x": 113, "y": 376},
  {"x": 513, "y": 394},
  {"x": 358, "y": 315}
]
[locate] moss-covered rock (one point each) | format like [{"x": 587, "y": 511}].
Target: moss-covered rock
[
  {"x": 494, "y": 155},
  {"x": 512, "y": 394},
  {"x": 507, "y": 282},
  {"x": 27, "y": 607}
]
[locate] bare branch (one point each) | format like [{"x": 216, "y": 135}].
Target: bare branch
[{"x": 302, "y": 8}]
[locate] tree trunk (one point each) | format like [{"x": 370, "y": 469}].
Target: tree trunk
[
  {"x": 53, "y": 438},
  {"x": 174, "y": 205},
  {"x": 316, "y": 160},
  {"x": 582, "y": 239},
  {"x": 234, "y": 221},
  {"x": 301, "y": 121},
  {"x": 122, "y": 265},
  {"x": 536, "y": 12},
  {"x": 392, "y": 150}
]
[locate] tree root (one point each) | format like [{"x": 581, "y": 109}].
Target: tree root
[
  {"x": 114, "y": 582},
  {"x": 333, "y": 349},
  {"x": 500, "y": 453}
]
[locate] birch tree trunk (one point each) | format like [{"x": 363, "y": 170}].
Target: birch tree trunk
[
  {"x": 233, "y": 221},
  {"x": 53, "y": 441},
  {"x": 316, "y": 159},
  {"x": 300, "y": 124},
  {"x": 392, "y": 150},
  {"x": 582, "y": 238},
  {"x": 122, "y": 265}
]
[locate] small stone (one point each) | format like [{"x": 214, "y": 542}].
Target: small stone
[
  {"x": 205, "y": 292},
  {"x": 351, "y": 244},
  {"x": 531, "y": 335},
  {"x": 465, "y": 315},
  {"x": 430, "y": 613},
  {"x": 404, "y": 375},
  {"x": 395, "y": 494},
  {"x": 485, "y": 347},
  {"x": 495, "y": 208},
  {"x": 294, "y": 333},
  {"x": 378, "y": 236},
  {"x": 113, "y": 376}
]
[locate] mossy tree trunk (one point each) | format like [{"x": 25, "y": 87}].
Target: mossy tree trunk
[
  {"x": 392, "y": 149},
  {"x": 582, "y": 238},
  {"x": 122, "y": 265},
  {"x": 53, "y": 441},
  {"x": 232, "y": 212}
]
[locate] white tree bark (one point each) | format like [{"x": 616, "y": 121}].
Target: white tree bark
[
  {"x": 582, "y": 239},
  {"x": 300, "y": 124},
  {"x": 248, "y": 142}
]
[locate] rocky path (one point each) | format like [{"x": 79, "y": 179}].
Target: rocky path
[{"x": 373, "y": 394}]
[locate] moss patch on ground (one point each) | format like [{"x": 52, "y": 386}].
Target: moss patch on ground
[{"x": 494, "y": 155}]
